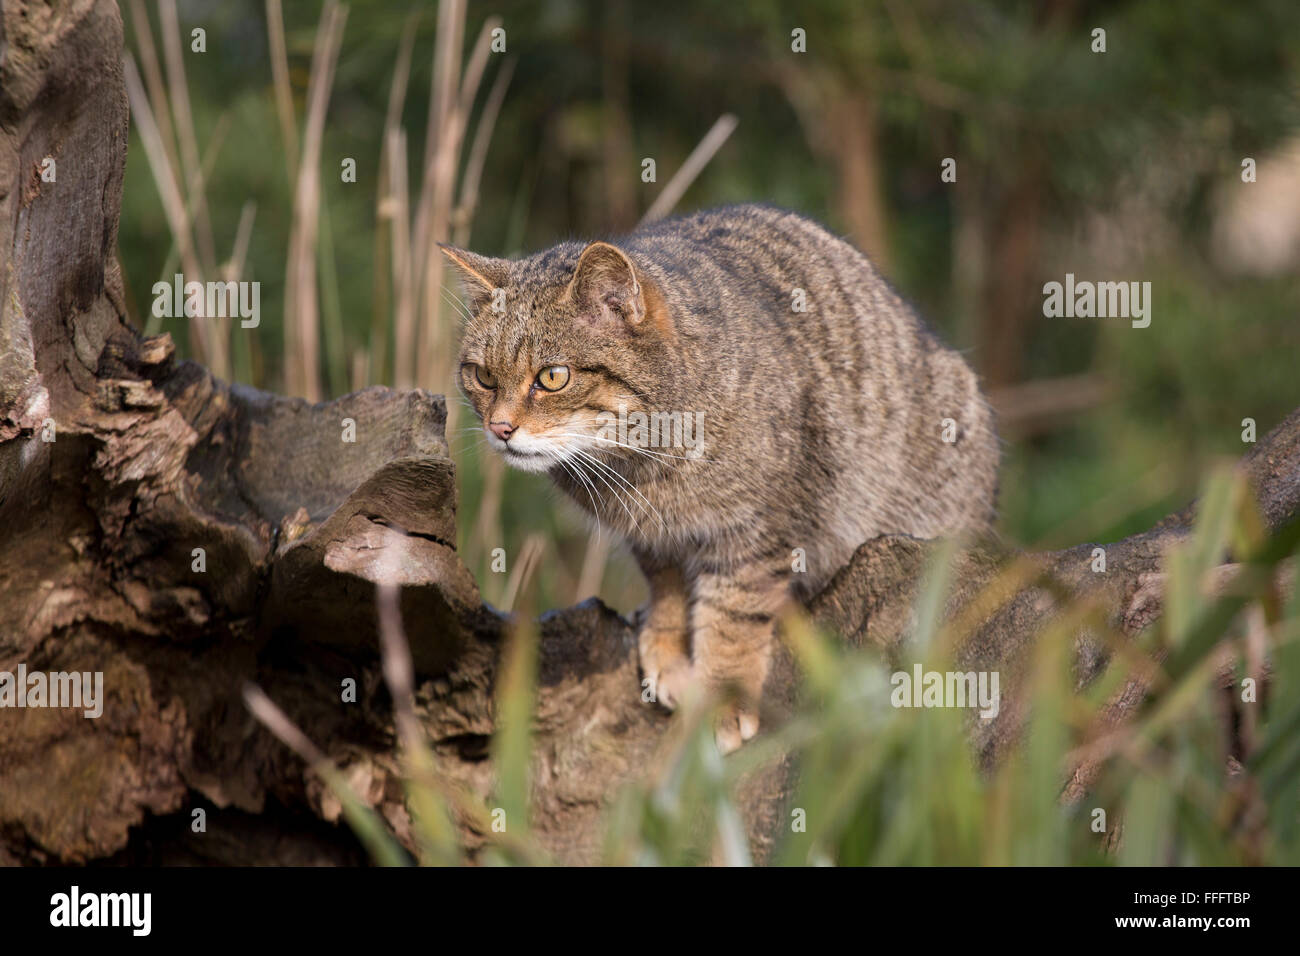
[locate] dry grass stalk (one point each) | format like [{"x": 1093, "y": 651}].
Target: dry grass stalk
[{"x": 302, "y": 311}]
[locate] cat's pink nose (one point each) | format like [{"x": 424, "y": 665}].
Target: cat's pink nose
[{"x": 502, "y": 430}]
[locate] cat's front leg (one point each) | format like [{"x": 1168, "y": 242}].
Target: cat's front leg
[
  {"x": 663, "y": 643},
  {"x": 733, "y": 621}
]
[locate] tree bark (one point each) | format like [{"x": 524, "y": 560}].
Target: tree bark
[{"x": 152, "y": 458}]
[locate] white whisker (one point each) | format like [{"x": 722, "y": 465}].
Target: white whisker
[
  {"x": 647, "y": 506},
  {"x": 612, "y": 489},
  {"x": 641, "y": 451}
]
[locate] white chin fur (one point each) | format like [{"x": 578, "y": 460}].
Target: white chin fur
[
  {"x": 521, "y": 452},
  {"x": 528, "y": 462}
]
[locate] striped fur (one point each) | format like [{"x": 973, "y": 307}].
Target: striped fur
[{"x": 821, "y": 428}]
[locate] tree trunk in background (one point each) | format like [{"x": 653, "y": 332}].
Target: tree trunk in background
[
  {"x": 1011, "y": 295},
  {"x": 854, "y": 149},
  {"x": 840, "y": 126},
  {"x": 619, "y": 157},
  {"x": 154, "y": 462},
  {"x": 969, "y": 259}
]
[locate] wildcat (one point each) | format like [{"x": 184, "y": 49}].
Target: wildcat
[{"x": 828, "y": 415}]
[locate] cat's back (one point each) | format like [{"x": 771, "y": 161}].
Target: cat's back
[
  {"x": 867, "y": 390},
  {"x": 750, "y": 237},
  {"x": 755, "y": 267}
]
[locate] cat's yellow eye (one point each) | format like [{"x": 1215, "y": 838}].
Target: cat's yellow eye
[
  {"x": 485, "y": 378},
  {"x": 554, "y": 378}
]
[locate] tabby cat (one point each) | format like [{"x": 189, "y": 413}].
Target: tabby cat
[{"x": 824, "y": 414}]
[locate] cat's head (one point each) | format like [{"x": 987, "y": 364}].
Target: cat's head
[{"x": 555, "y": 344}]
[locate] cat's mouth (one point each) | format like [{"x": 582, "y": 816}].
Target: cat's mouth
[
  {"x": 528, "y": 460},
  {"x": 518, "y": 456}
]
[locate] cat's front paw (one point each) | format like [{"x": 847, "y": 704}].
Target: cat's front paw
[{"x": 666, "y": 673}]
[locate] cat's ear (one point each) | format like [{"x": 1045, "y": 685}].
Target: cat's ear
[
  {"x": 480, "y": 275},
  {"x": 605, "y": 283}
]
